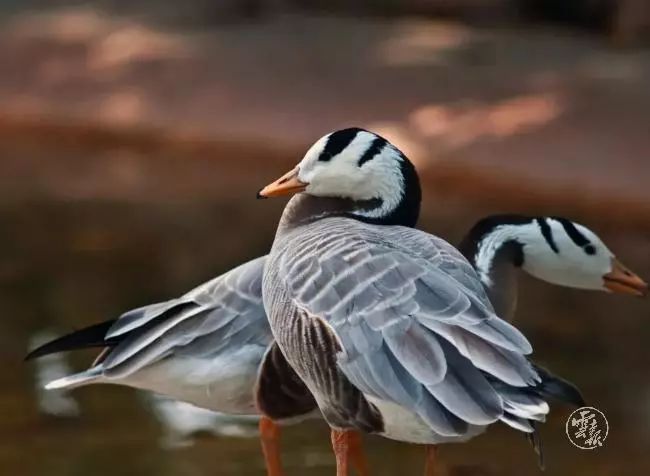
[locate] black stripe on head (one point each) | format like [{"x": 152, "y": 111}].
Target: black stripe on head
[
  {"x": 337, "y": 141},
  {"x": 547, "y": 233},
  {"x": 576, "y": 236},
  {"x": 375, "y": 148}
]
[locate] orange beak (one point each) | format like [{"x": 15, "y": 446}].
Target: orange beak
[
  {"x": 622, "y": 280},
  {"x": 288, "y": 184}
]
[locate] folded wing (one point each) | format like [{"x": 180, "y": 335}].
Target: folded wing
[{"x": 414, "y": 324}]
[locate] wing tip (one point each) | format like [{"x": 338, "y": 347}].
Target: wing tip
[{"x": 74, "y": 380}]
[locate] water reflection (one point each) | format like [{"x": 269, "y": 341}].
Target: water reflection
[
  {"x": 57, "y": 403},
  {"x": 182, "y": 423}
]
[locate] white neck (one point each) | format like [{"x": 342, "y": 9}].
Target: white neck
[{"x": 496, "y": 259}]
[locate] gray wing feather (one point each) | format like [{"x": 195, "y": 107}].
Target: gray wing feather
[
  {"x": 439, "y": 417},
  {"x": 466, "y": 392},
  {"x": 135, "y": 343},
  {"x": 414, "y": 322},
  {"x": 378, "y": 369},
  {"x": 517, "y": 423},
  {"x": 382, "y": 375},
  {"x": 503, "y": 363},
  {"x": 222, "y": 314},
  {"x": 138, "y": 317},
  {"x": 418, "y": 350}
]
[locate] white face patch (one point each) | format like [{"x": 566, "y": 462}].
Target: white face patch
[
  {"x": 555, "y": 258},
  {"x": 346, "y": 175},
  {"x": 575, "y": 265}
]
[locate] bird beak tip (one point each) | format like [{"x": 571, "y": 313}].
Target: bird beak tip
[
  {"x": 622, "y": 280},
  {"x": 288, "y": 184}
]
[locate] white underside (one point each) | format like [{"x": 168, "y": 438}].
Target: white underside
[
  {"x": 404, "y": 425},
  {"x": 224, "y": 383}
]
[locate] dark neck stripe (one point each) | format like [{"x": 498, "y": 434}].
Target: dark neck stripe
[
  {"x": 407, "y": 211},
  {"x": 375, "y": 148},
  {"x": 547, "y": 233},
  {"x": 337, "y": 141}
]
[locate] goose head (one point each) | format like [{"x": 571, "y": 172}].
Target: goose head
[
  {"x": 554, "y": 249},
  {"x": 368, "y": 172}
]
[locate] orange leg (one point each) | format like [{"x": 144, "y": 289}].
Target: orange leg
[
  {"x": 430, "y": 460},
  {"x": 341, "y": 447},
  {"x": 357, "y": 456},
  {"x": 270, "y": 437},
  {"x": 347, "y": 446}
]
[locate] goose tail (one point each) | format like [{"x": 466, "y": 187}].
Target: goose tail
[
  {"x": 557, "y": 388},
  {"x": 92, "y": 336}
]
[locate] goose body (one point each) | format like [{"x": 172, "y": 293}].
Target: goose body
[
  {"x": 392, "y": 332},
  {"x": 389, "y": 327}
]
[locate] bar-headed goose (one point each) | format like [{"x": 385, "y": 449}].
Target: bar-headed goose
[
  {"x": 389, "y": 327},
  {"x": 553, "y": 249}
]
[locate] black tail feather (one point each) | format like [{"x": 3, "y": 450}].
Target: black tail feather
[
  {"x": 558, "y": 388},
  {"x": 92, "y": 336},
  {"x": 535, "y": 440}
]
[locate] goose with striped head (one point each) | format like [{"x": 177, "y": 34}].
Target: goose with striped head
[
  {"x": 552, "y": 249},
  {"x": 390, "y": 328}
]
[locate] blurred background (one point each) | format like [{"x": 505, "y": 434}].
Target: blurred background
[{"x": 134, "y": 135}]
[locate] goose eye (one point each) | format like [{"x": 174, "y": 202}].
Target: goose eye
[{"x": 590, "y": 249}]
